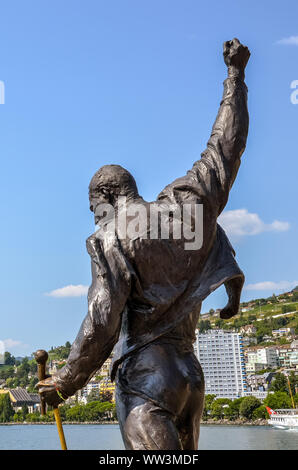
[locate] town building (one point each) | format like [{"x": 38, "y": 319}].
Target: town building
[
  {"x": 260, "y": 394},
  {"x": 19, "y": 398},
  {"x": 105, "y": 369},
  {"x": 249, "y": 340},
  {"x": 259, "y": 382},
  {"x": 284, "y": 353},
  {"x": 107, "y": 387},
  {"x": 245, "y": 309},
  {"x": 254, "y": 367},
  {"x": 82, "y": 394},
  {"x": 248, "y": 330},
  {"x": 266, "y": 356},
  {"x": 220, "y": 354},
  {"x": 55, "y": 365},
  {"x": 100, "y": 382},
  {"x": 283, "y": 332},
  {"x": 267, "y": 339},
  {"x": 293, "y": 359}
]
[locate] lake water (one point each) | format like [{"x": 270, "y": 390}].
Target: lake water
[{"x": 108, "y": 437}]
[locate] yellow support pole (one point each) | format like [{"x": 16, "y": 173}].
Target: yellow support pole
[
  {"x": 60, "y": 428},
  {"x": 290, "y": 390},
  {"x": 41, "y": 357}
]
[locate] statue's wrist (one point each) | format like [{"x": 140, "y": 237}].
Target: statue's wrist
[
  {"x": 61, "y": 394},
  {"x": 236, "y": 72},
  {"x": 61, "y": 387}
]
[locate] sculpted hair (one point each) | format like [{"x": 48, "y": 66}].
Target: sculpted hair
[{"x": 114, "y": 179}]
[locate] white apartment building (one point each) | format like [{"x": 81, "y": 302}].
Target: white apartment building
[
  {"x": 283, "y": 332},
  {"x": 266, "y": 356},
  {"x": 220, "y": 354},
  {"x": 293, "y": 359},
  {"x": 253, "y": 367}
]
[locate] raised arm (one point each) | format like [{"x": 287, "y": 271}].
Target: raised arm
[
  {"x": 219, "y": 164},
  {"x": 211, "y": 177},
  {"x": 99, "y": 331}
]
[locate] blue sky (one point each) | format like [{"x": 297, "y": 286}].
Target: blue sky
[{"x": 138, "y": 84}]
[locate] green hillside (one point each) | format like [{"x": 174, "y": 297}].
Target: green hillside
[{"x": 265, "y": 315}]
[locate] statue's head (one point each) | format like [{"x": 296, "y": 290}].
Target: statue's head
[{"x": 108, "y": 183}]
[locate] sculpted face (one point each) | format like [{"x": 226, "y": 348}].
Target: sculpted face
[
  {"x": 101, "y": 196},
  {"x": 108, "y": 183}
]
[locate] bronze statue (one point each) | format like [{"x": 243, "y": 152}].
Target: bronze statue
[{"x": 146, "y": 291}]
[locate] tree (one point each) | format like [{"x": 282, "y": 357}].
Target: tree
[
  {"x": 293, "y": 379},
  {"x": 6, "y": 372},
  {"x": 9, "y": 360},
  {"x": 295, "y": 296},
  {"x": 18, "y": 417},
  {"x": 248, "y": 406},
  {"x": 287, "y": 308},
  {"x": 93, "y": 396},
  {"x": 282, "y": 340},
  {"x": 278, "y": 400},
  {"x": 62, "y": 410},
  {"x": 25, "y": 411},
  {"x": 204, "y": 325},
  {"x": 25, "y": 366},
  {"x": 260, "y": 413},
  {"x": 219, "y": 407},
  {"x": 10, "y": 382},
  {"x": 33, "y": 381},
  {"x": 209, "y": 398},
  {"x": 97, "y": 411},
  {"x": 98, "y": 378},
  {"x": 6, "y": 410},
  {"x": 60, "y": 352},
  {"x": 251, "y": 318},
  {"x": 233, "y": 411},
  {"x": 279, "y": 384},
  {"x": 33, "y": 366},
  {"x": 32, "y": 417},
  {"x": 76, "y": 413},
  {"x": 219, "y": 323},
  {"x": 106, "y": 396}
]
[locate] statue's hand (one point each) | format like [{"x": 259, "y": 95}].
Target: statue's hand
[
  {"x": 48, "y": 391},
  {"x": 235, "y": 55}
]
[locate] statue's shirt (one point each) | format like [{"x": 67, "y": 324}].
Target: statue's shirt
[{"x": 143, "y": 288}]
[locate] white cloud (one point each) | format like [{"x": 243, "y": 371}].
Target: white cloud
[
  {"x": 291, "y": 41},
  {"x": 69, "y": 291},
  {"x": 13, "y": 346},
  {"x": 240, "y": 222},
  {"x": 11, "y": 343},
  {"x": 272, "y": 286}
]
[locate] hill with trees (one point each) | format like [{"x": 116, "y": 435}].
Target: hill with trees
[{"x": 265, "y": 315}]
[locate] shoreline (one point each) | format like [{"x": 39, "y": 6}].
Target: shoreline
[
  {"x": 27, "y": 423},
  {"x": 237, "y": 422},
  {"x": 220, "y": 422}
]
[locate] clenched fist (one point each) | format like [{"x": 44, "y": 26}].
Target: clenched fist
[
  {"x": 235, "y": 56},
  {"x": 48, "y": 391}
]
